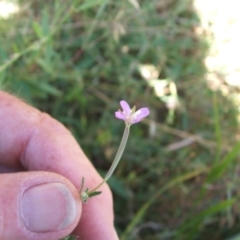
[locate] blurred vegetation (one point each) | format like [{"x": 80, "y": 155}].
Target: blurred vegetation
[{"x": 76, "y": 60}]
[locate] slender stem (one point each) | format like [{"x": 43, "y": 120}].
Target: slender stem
[{"x": 116, "y": 159}]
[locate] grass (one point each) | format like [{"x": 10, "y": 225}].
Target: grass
[{"x": 179, "y": 175}]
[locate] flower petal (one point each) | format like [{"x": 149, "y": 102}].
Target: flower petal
[
  {"x": 120, "y": 115},
  {"x": 129, "y": 115},
  {"x": 125, "y": 107},
  {"x": 139, "y": 115}
]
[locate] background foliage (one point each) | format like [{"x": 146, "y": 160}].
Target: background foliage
[{"x": 76, "y": 60}]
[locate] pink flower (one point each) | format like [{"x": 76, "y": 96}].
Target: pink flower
[{"x": 130, "y": 116}]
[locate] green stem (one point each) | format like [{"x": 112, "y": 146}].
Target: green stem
[{"x": 116, "y": 159}]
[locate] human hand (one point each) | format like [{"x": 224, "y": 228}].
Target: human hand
[{"x": 41, "y": 168}]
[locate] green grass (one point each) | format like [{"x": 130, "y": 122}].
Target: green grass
[{"x": 77, "y": 59}]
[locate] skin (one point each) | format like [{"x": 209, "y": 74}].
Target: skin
[{"x": 37, "y": 149}]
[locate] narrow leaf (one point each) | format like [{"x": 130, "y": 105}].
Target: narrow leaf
[{"x": 218, "y": 170}]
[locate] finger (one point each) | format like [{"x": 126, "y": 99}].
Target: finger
[
  {"x": 42, "y": 143},
  {"x": 96, "y": 221},
  {"x": 37, "y": 205},
  {"x": 35, "y": 141}
]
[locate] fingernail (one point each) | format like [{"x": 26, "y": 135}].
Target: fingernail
[{"x": 47, "y": 207}]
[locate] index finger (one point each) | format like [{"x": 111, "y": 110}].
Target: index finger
[{"x": 36, "y": 141}]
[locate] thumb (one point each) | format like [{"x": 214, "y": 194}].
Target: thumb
[{"x": 37, "y": 205}]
